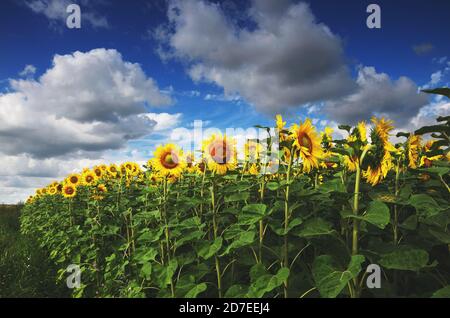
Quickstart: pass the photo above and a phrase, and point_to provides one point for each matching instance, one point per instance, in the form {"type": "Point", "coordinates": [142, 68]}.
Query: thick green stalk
{"type": "Point", "coordinates": [286, 224]}
{"type": "Point", "coordinates": [165, 195]}
{"type": "Point", "coordinates": [215, 231]}
{"type": "Point", "coordinates": [395, 225]}
{"type": "Point", "coordinates": [355, 212]}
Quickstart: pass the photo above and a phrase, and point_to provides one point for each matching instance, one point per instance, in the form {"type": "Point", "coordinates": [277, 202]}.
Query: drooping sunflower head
{"type": "Point", "coordinates": [380, 160]}
{"type": "Point", "coordinates": [169, 160]}
{"type": "Point", "coordinates": [306, 144]}
{"type": "Point", "coordinates": [413, 147]}
{"type": "Point", "coordinates": [429, 154]}
{"type": "Point", "coordinates": [73, 179]}
{"type": "Point", "coordinates": [382, 127]}
{"type": "Point", "coordinates": [220, 153]}
{"type": "Point", "coordinates": [69, 191]}
{"type": "Point", "coordinates": [252, 150]}
{"type": "Point", "coordinates": [89, 178]}
{"type": "Point", "coordinates": [351, 162]}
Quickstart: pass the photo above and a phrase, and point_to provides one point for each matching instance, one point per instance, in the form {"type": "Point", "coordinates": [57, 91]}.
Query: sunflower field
{"type": "Point", "coordinates": [208, 224]}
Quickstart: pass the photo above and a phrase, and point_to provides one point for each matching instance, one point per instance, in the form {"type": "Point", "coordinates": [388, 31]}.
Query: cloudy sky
{"type": "Point", "coordinates": [138, 73]}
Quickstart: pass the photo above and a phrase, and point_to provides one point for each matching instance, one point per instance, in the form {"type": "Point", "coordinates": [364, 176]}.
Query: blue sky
{"type": "Point", "coordinates": [228, 63]}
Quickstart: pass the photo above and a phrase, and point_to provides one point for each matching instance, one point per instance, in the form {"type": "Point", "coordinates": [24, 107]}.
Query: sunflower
{"type": "Point", "coordinates": [427, 159]}
{"type": "Point", "coordinates": [220, 153]}
{"type": "Point", "coordinates": [52, 190]}
{"type": "Point", "coordinates": [113, 171]}
{"type": "Point", "coordinates": [73, 179]}
{"type": "Point", "coordinates": [169, 160]}
{"type": "Point", "coordinates": [190, 163]}
{"type": "Point", "coordinates": [201, 167]}
{"type": "Point", "coordinates": [69, 191]}
{"type": "Point", "coordinates": [252, 150]}
{"type": "Point", "coordinates": [382, 159]}
{"type": "Point", "coordinates": [89, 178]}
{"type": "Point", "coordinates": [254, 169]}
{"type": "Point", "coordinates": [412, 150]}
{"type": "Point", "coordinates": [306, 144]}
{"type": "Point", "coordinates": [280, 127]}
{"type": "Point", "coordinates": [98, 171]}
{"type": "Point", "coordinates": [351, 162]}
{"type": "Point", "coordinates": [101, 188]}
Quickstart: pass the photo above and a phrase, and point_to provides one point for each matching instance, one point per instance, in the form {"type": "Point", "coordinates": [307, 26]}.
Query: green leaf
{"type": "Point", "coordinates": [165, 273]}
{"type": "Point", "coordinates": [439, 91]}
{"type": "Point", "coordinates": [146, 255]}
{"type": "Point", "coordinates": [252, 213]}
{"type": "Point", "coordinates": [267, 283]}
{"type": "Point", "coordinates": [244, 238]}
{"type": "Point", "coordinates": [405, 259]}
{"type": "Point", "coordinates": [279, 229]}
{"type": "Point", "coordinates": [273, 186]}
{"type": "Point", "coordinates": [208, 250]}
{"type": "Point", "coordinates": [330, 281]}
{"type": "Point", "coordinates": [315, 227]}
{"type": "Point", "coordinates": [146, 270]}
{"type": "Point", "coordinates": [240, 196]}
{"type": "Point", "coordinates": [377, 214]}
{"type": "Point", "coordinates": [444, 237]}
{"type": "Point", "coordinates": [442, 293]}
{"type": "Point", "coordinates": [197, 289]}
{"type": "Point", "coordinates": [236, 291]}
{"type": "Point", "coordinates": [333, 185]}
{"type": "Point", "coordinates": [410, 223]}
{"type": "Point", "coordinates": [425, 205]}
{"type": "Point", "coordinates": [440, 171]}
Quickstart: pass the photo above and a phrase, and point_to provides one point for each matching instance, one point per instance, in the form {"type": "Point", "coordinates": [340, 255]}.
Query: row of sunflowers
{"type": "Point", "coordinates": [224, 225]}
{"type": "Point", "coordinates": [219, 155]}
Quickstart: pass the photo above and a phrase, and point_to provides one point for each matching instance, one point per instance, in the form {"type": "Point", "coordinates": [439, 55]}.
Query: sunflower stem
{"type": "Point", "coordinates": [215, 231]}
{"type": "Point", "coordinates": [286, 224]}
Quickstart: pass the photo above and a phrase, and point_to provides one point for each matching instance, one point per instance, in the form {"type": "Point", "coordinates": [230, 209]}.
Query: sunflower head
{"type": "Point", "coordinates": [413, 146]}
{"type": "Point", "coordinates": [169, 160]}
{"type": "Point", "coordinates": [52, 190]}
{"type": "Point", "coordinates": [220, 153]}
{"type": "Point", "coordinates": [113, 171]}
{"type": "Point", "coordinates": [306, 144]}
{"type": "Point", "coordinates": [73, 179]}
{"type": "Point", "coordinates": [380, 160]}
{"type": "Point", "coordinates": [69, 191]}
{"type": "Point", "coordinates": [89, 178]}
{"type": "Point", "coordinates": [101, 188]}
{"type": "Point", "coordinates": [254, 169]}
{"type": "Point", "coordinates": [98, 171]}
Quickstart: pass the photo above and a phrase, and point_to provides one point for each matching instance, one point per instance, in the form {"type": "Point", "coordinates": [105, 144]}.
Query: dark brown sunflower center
{"type": "Point", "coordinates": [98, 172]}
{"type": "Point", "coordinates": [73, 179]}
{"type": "Point", "coordinates": [169, 160]}
{"type": "Point", "coordinates": [305, 141]}
{"type": "Point", "coordinates": [69, 190]}
{"type": "Point", "coordinates": [220, 152]}
{"type": "Point", "coordinates": [89, 179]}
